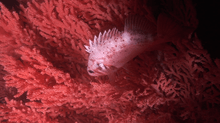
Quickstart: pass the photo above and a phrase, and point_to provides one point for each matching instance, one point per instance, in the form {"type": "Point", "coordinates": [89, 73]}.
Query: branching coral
{"type": "Point", "coordinates": [43, 62]}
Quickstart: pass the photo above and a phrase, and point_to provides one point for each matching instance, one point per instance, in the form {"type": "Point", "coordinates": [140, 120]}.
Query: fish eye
{"type": "Point", "coordinates": [90, 71]}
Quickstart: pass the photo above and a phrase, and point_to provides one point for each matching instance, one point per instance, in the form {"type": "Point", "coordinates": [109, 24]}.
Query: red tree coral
{"type": "Point", "coordinates": [43, 67]}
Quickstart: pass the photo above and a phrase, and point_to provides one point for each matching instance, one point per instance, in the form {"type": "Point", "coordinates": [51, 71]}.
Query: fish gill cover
{"type": "Point", "coordinates": [43, 77]}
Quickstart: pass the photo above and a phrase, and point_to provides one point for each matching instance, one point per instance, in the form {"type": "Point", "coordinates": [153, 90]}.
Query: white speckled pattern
{"type": "Point", "coordinates": [112, 49]}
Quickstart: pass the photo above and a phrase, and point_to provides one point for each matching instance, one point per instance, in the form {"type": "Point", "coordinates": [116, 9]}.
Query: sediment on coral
{"type": "Point", "coordinates": [43, 62]}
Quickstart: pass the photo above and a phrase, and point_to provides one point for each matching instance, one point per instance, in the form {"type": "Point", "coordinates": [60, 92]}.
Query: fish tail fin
{"type": "Point", "coordinates": [139, 24]}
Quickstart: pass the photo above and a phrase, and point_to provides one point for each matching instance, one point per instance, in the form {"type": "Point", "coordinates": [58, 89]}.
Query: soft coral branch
{"type": "Point", "coordinates": [44, 60]}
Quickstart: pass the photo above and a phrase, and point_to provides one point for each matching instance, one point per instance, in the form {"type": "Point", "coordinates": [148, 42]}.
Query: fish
{"type": "Point", "coordinates": [112, 49]}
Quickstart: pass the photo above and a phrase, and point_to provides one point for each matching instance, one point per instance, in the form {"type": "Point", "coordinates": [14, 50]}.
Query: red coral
{"type": "Point", "coordinates": [43, 75]}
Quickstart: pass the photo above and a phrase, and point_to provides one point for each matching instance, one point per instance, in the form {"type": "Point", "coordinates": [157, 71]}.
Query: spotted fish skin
{"type": "Point", "coordinates": [112, 49]}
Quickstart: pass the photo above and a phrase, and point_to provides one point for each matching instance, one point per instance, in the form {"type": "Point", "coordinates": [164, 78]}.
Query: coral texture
{"type": "Point", "coordinates": [43, 77]}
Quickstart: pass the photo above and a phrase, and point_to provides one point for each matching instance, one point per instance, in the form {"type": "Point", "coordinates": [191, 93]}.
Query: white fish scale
{"type": "Point", "coordinates": [110, 46]}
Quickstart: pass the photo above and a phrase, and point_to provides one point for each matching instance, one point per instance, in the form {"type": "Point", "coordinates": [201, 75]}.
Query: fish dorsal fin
{"type": "Point", "coordinates": [139, 24]}
{"type": "Point", "coordinates": [98, 41]}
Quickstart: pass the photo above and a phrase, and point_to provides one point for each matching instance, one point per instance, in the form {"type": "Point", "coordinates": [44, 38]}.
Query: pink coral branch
{"type": "Point", "coordinates": [43, 75]}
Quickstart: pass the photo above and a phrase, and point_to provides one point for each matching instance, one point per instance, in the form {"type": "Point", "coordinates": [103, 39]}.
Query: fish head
{"type": "Point", "coordinates": [100, 52]}
{"type": "Point", "coordinates": [97, 67]}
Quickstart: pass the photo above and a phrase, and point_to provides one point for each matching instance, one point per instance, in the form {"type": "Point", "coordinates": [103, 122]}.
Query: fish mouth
{"type": "Point", "coordinates": [96, 72]}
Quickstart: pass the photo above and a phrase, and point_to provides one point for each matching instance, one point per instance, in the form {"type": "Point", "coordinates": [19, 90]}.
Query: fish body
{"type": "Point", "coordinates": [113, 49]}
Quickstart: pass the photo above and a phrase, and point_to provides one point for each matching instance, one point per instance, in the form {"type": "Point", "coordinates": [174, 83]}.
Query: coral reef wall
{"type": "Point", "coordinates": [43, 77]}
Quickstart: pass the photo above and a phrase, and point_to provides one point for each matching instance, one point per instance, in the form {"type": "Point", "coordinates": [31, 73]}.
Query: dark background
{"type": "Point", "coordinates": [208, 14]}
